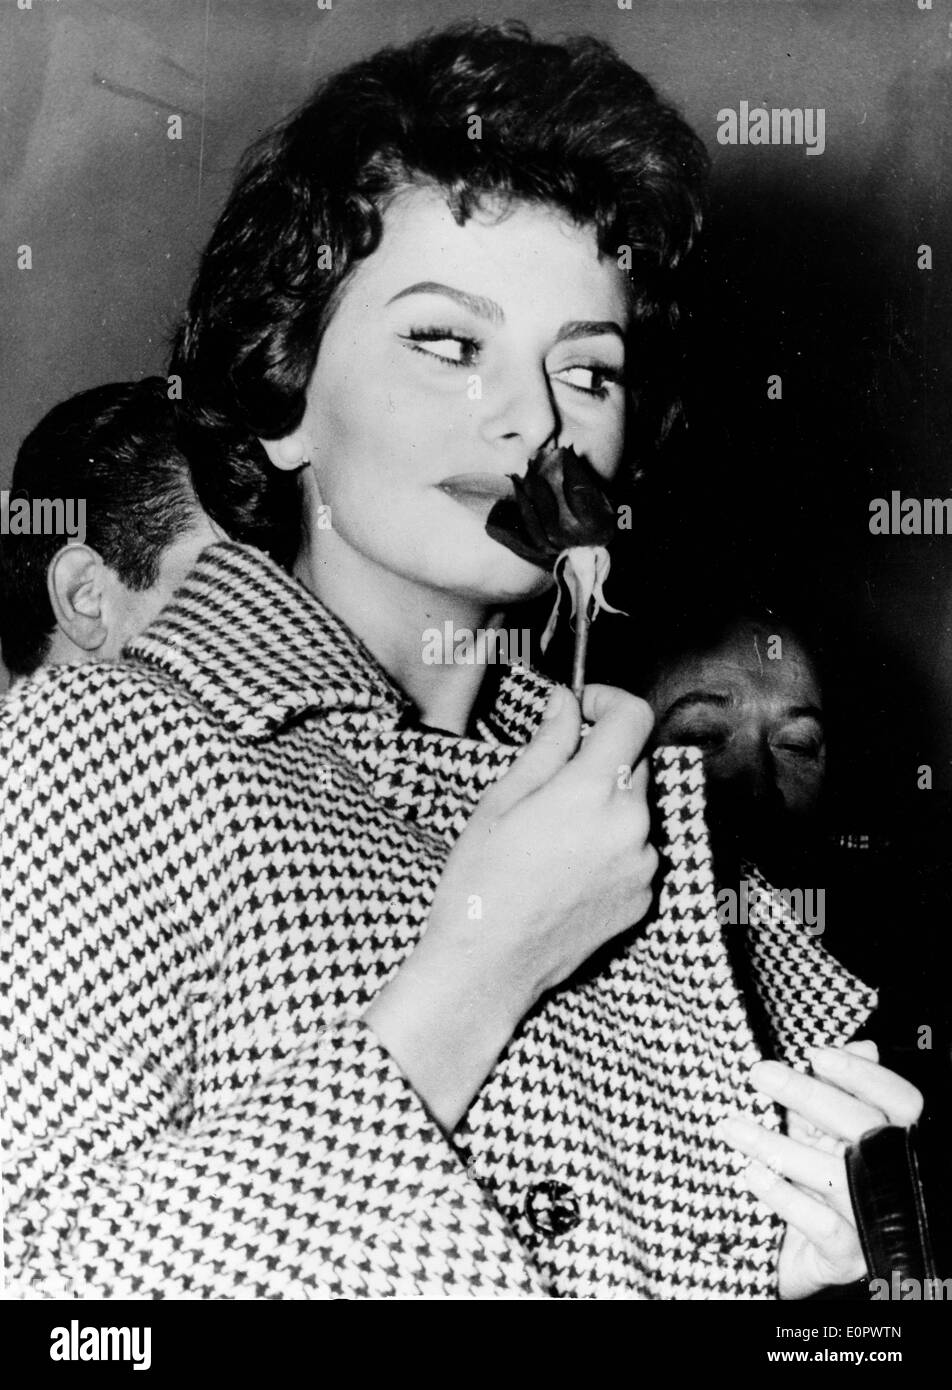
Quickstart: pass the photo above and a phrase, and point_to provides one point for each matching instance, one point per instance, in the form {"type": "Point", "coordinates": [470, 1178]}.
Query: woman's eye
{"type": "Point", "coordinates": [593, 381]}
{"type": "Point", "coordinates": [452, 348]}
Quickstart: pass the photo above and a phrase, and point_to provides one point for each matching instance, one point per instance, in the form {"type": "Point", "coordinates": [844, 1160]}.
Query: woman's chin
{"type": "Point", "coordinates": [508, 579]}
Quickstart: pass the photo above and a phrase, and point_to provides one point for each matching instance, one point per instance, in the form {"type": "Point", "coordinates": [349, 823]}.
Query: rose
{"type": "Point", "coordinates": [558, 505]}
{"type": "Point", "coordinates": [560, 518]}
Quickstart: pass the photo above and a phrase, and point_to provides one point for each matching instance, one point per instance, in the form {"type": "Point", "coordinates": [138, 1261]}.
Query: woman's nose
{"type": "Point", "coordinates": [520, 410]}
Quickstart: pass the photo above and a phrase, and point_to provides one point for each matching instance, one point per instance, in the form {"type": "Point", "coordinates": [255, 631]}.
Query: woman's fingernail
{"type": "Point", "coordinates": [826, 1057]}
{"type": "Point", "coordinates": [734, 1129]}
{"type": "Point", "coordinates": [771, 1074]}
{"type": "Point", "coordinates": [759, 1178]}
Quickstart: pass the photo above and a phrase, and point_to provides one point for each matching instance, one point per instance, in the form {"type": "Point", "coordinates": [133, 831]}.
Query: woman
{"type": "Point", "coordinates": [354, 1004]}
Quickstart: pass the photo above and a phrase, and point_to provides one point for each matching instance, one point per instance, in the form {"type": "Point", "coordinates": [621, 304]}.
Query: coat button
{"type": "Point", "coordinates": [552, 1208]}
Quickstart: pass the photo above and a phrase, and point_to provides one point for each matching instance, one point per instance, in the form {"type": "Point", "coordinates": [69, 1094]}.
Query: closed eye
{"type": "Point", "coordinates": [708, 742]}
{"type": "Point", "coordinates": [799, 748]}
{"type": "Point", "coordinates": [802, 739]}
{"type": "Point", "coordinates": [709, 739]}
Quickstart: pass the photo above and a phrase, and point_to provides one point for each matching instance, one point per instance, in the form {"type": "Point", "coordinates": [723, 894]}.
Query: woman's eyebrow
{"type": "Point", "coordinates": [588, 328]}
{"type": "Point", "coordinates": [489, 309]}
{"type": "Point", "coordinates": [475, 303]}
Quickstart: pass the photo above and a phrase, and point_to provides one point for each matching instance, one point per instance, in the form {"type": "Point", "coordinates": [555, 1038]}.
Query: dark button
{"type": "Point", "coordinates": [552, 1208]}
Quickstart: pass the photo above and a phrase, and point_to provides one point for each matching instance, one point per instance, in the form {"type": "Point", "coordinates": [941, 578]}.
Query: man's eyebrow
{"type": "Point", "coordinates": [697, 697]}
{"type": "Point", "coordinates": [719, 701]}
{"type": "Point", "coordinates": [805, 712]}
{"type": "Point", "coordinates": [489, 309]}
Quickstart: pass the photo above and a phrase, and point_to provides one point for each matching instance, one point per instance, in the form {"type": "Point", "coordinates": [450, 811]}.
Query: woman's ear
{"type": "Point", "coordinates": [288, 453]}
{"type": "Point", "coordinates": [77, 580]}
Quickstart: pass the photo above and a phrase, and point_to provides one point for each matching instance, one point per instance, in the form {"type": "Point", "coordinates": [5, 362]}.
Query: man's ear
{"type": "Point", "coordinates": [288, 453]}
{"type": "Point", "coordinates": [77, 581]}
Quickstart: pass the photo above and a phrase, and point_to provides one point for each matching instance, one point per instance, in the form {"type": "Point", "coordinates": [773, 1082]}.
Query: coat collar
{"type": "Point", "coordinates": [257, 649]}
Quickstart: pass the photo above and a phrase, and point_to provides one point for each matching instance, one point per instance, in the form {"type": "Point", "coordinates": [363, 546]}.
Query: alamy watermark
{"type": "Point", "coordinates": [907, 1290]}
{"type": "Point", "coordinates": [910, 516]}
{"type": "Point", "coordinates": [807, 904]}
{"type": "Point", "coordinates": [483, 646]}
{"type": "Point", "coordinates": [756, 125]}
{"type": "Point", "coordinates": [22, 515]}
{"type": "Point", "coordinates": [76, 1343]}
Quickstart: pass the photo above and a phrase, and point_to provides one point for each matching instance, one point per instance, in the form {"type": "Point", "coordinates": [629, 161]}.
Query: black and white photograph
{"type": "Point", "coordinates": [476, 702]}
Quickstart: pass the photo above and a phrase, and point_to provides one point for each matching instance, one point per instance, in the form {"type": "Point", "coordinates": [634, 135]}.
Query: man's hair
{"type": "Point", "coordinates": [116, 447]}
{"type": "Point", "coordinates": [697, 624]}
{"type": "Point", "coordinates": [568, 124]}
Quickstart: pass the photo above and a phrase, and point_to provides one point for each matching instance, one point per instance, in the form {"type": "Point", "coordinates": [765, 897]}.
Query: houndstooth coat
{"type": "Point", "coordinates": [215, 853]}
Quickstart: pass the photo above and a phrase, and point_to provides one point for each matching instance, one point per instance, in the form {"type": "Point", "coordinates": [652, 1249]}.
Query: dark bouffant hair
{"type": "Point", "coordinates": [568, 124]}
{"type": "Point", "coordinates": [118, 448]}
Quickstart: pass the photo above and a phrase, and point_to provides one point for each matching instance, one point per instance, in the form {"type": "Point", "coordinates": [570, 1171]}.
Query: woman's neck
{"type": "Point", "coordinates": [392, 616]}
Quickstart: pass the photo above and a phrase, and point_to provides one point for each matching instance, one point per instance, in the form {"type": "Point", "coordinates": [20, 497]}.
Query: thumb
{"type": "Point", "coordinates": [553, 744]}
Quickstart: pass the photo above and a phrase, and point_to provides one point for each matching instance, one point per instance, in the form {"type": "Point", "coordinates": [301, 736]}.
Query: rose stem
{"type": "Point", "coordinates": [581, 648]}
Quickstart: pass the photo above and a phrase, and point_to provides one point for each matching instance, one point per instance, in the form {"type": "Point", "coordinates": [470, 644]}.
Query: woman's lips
{"type": "Point", "coordinates": [477, 491]}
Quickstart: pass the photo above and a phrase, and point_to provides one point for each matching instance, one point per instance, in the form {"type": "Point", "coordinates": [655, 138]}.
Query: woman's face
{"type": "Point", "coordinates": [454, 354]}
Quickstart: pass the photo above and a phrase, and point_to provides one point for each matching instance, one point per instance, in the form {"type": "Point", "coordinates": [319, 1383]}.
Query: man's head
{"type": "Point", "coordinates": [117, 450]}
{"type": "Point", "coordinates": [747, 693]}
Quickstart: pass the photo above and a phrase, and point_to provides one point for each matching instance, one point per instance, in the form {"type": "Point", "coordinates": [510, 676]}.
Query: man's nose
{"type": "Point", "coordinates": [751, 772]}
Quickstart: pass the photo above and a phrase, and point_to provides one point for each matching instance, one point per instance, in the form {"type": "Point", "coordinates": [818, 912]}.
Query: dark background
{"type": "Point", "coordinates": [809, 270]}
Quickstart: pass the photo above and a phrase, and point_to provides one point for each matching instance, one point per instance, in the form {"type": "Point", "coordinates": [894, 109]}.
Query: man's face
{"type": "Point", "coordinates": [752, 704]}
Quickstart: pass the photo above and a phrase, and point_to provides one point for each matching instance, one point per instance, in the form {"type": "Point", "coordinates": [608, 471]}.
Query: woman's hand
{"type": "Point", "coordinates": [554, 862]}
{"type": "Point", "coordinates": [556, 851]}
{"type": "Point", "coordinates": [802, 1175]}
